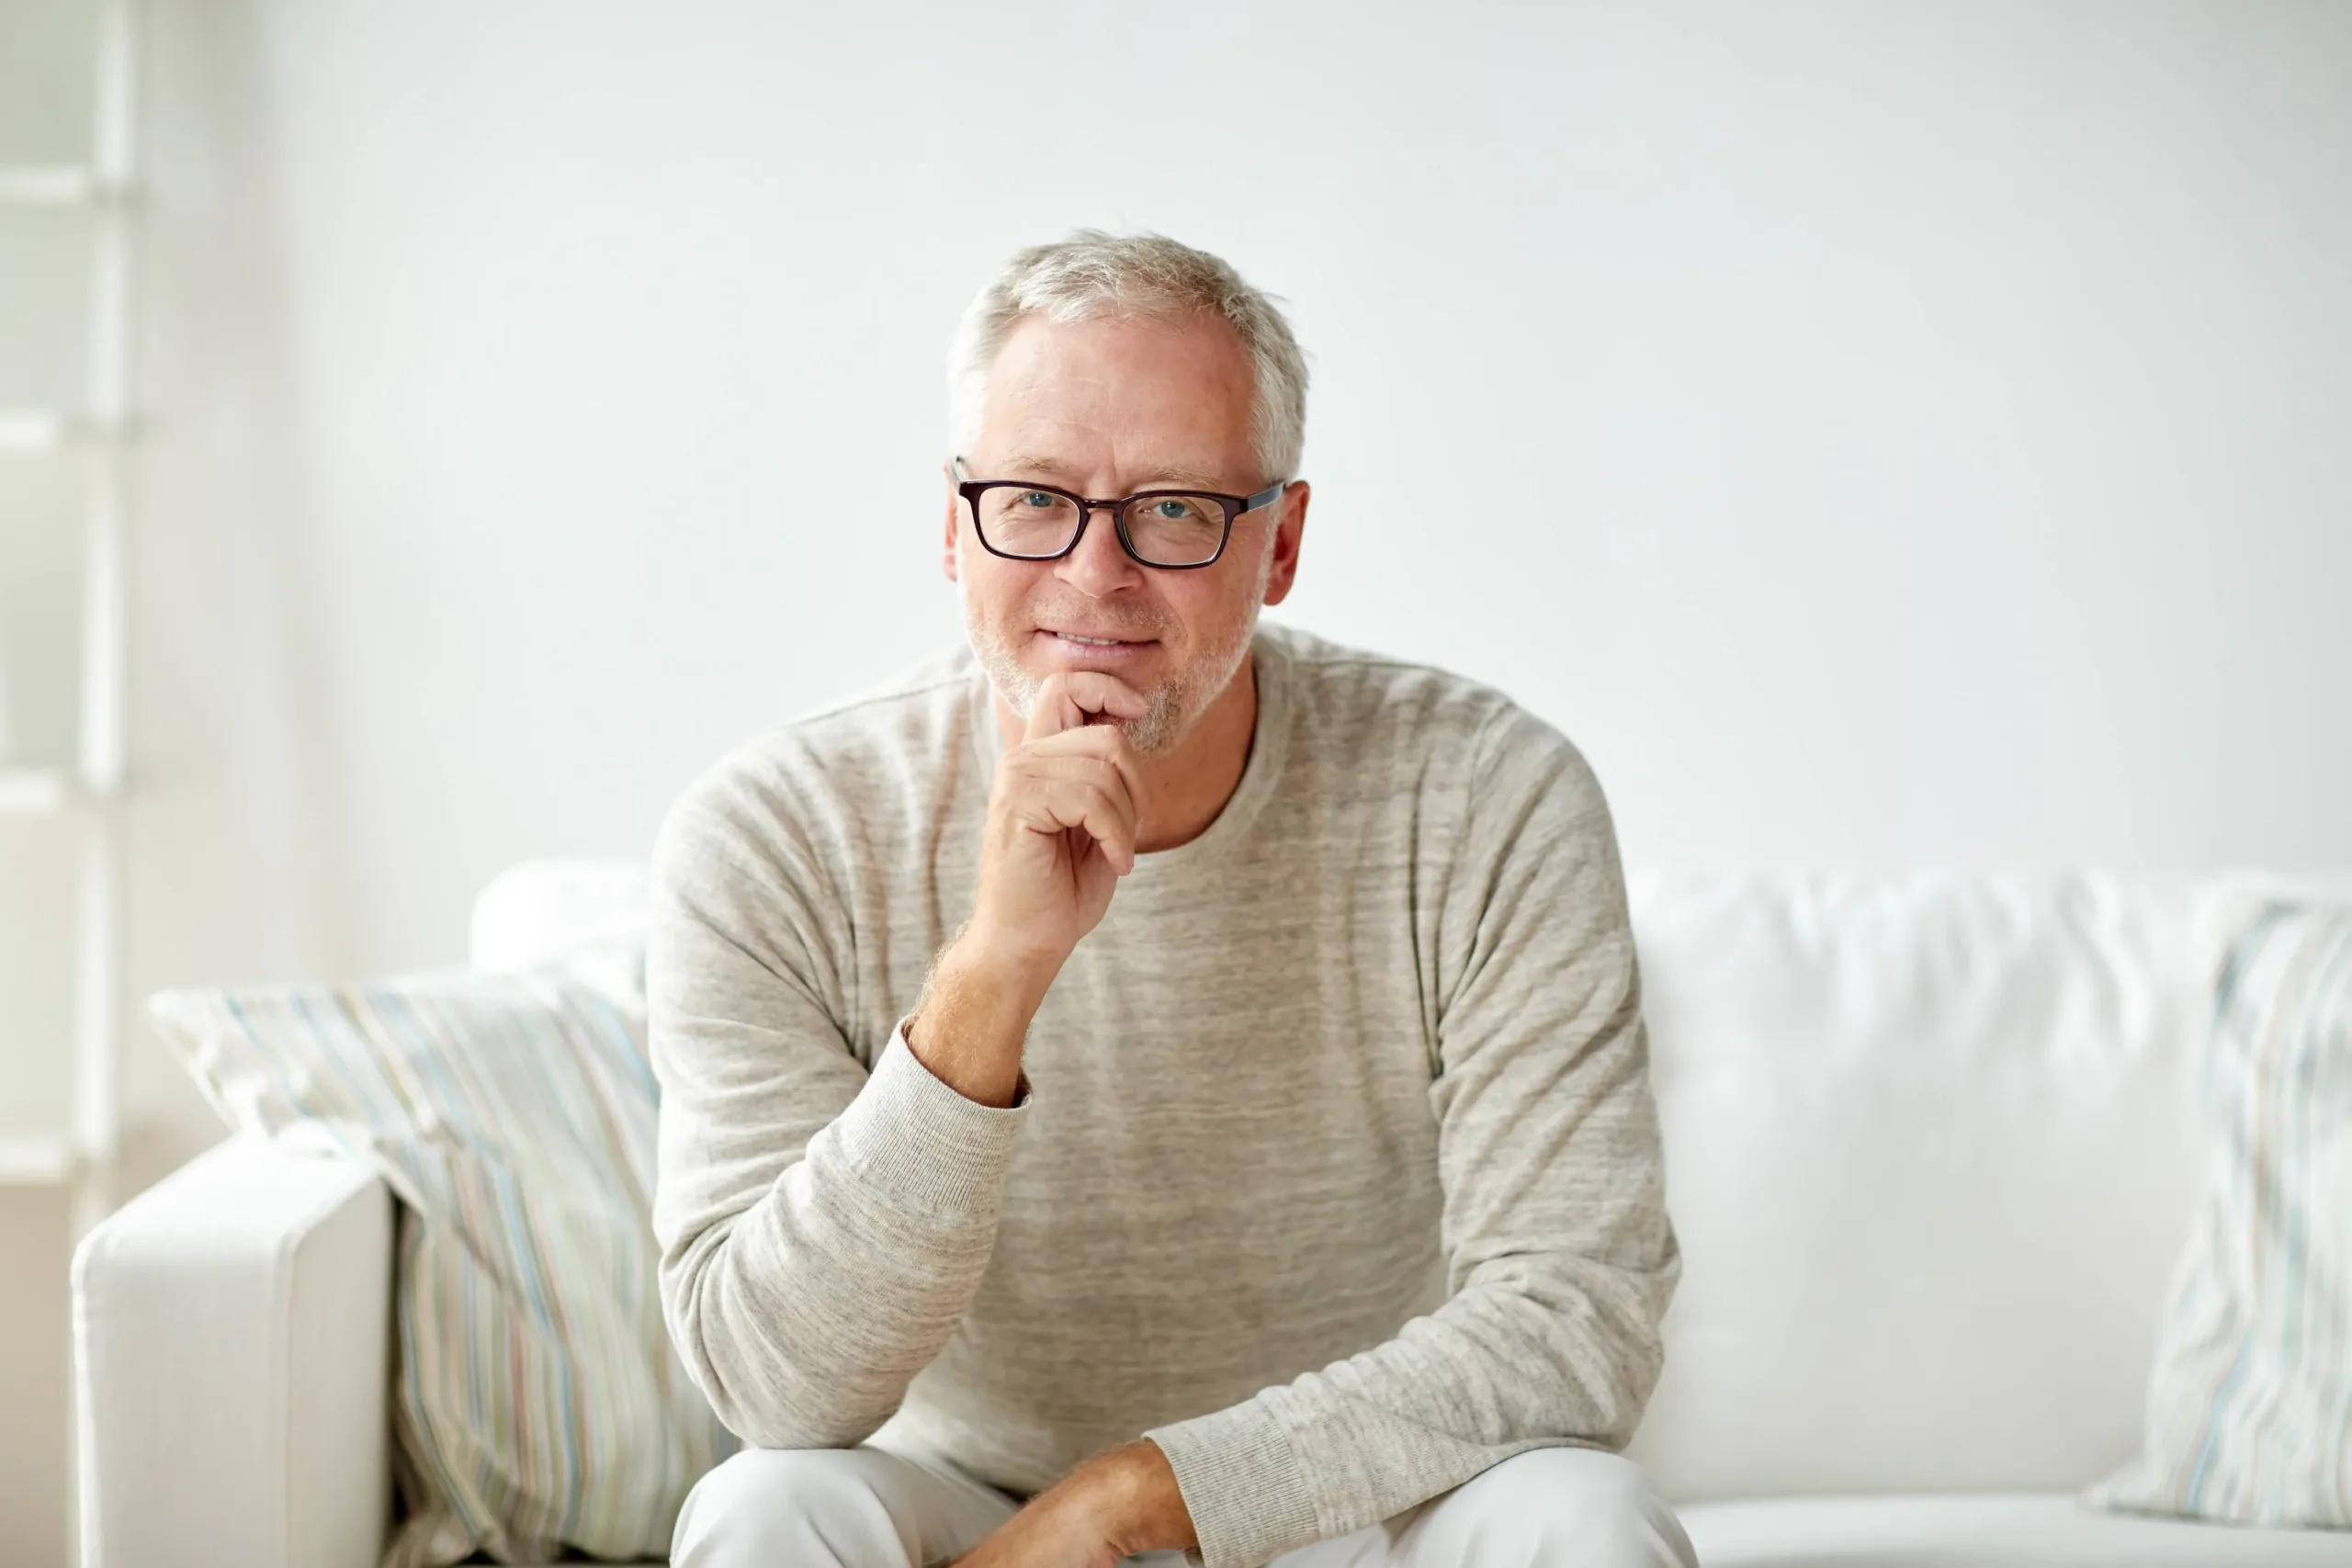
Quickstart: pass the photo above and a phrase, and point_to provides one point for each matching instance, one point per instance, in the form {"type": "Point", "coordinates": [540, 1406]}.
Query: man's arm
{"type": "Point", "coordinates": [824, 1230]}
{"type": "Point", "coordinates": [1560, 1256]}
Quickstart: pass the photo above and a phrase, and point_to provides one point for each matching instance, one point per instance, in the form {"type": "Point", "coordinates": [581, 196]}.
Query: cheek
{"type": "Point", "coordinates": [998, 590]}
{"type": "Point", "coordinates": [1209, 612]}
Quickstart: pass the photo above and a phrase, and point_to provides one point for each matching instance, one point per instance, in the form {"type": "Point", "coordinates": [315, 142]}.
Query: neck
{"type": "Point", "coordinates": [1184, 788]}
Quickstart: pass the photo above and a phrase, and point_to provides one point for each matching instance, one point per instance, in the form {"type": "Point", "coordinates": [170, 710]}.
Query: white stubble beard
{"type": "Point", "coordinates": [1174, 705]}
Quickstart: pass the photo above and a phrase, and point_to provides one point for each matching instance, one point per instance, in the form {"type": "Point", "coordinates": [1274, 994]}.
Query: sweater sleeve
{"type": "Point", "coordinates": [1560, 1258]}
{"type": "Point", "coordinates": [823, 1227]}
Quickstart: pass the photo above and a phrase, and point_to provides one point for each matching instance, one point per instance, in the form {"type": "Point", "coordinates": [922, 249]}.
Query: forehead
{"type": "Point", "coordinates": [1122, 391]}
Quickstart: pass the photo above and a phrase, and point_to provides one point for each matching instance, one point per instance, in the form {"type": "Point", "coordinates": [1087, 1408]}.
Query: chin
{"type": "Point", "coordinates": [1160, 730]}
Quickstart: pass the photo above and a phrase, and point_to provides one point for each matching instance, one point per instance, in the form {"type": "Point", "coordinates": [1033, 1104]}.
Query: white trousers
{"type": "Point", "coordinates": [867, 1507]}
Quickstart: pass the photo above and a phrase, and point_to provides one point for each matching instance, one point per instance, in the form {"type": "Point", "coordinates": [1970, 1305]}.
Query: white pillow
{"type": "Point", "coordinates": [2249, 1415]}
{"type": "Point", "coordinates": [537, 1402]}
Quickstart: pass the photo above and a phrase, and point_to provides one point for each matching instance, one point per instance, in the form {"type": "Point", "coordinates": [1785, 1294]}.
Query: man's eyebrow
{"type": "Point", "coordinates": [1021, 463]}
{"type": "Point", "coordinates": [1158, 479]}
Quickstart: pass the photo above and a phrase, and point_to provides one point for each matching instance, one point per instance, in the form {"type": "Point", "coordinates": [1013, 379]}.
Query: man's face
{"type": "Point", "coordinates": [1106, 408]}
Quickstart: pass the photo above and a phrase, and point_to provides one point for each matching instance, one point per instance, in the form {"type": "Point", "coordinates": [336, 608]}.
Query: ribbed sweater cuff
{"type": "Point", "coordinates": [917, 1146]}
{"type": "Point", "coordinates": [1243, 1482]}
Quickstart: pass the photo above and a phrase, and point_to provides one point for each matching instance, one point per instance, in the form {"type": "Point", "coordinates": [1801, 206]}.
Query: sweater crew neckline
{"type": "Point", "coordinates": [1261, 772]}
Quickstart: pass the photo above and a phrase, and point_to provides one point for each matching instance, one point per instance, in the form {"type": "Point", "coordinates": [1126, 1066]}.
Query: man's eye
{"type": "Point", "coordinates": [1042, 500]}
{"type": "Point", "coordinates": [1173, 511]}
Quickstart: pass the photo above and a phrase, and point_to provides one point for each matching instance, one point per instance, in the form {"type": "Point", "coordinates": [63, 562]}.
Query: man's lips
{"type": "Point", "coordinates": [1103, 641]}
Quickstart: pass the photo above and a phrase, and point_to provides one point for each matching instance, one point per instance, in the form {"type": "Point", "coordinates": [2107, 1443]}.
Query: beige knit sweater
{"type": "Point", "coordinates": [1339, 1175]}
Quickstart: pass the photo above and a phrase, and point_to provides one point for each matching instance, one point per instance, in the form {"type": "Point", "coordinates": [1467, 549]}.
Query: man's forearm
{"type": "Point", "coordinates": [1114, 1506]}
{"type": "Point", "coordinates": [1145, 1508]}
{"type": "Point", "coordinates": [973, 1018]}
{"type": "Point", "coordinates": [872, 1244]}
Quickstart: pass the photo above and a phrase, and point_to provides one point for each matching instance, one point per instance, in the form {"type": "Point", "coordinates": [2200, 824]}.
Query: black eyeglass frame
{"type": "Point", "coordinates": [971, 490]}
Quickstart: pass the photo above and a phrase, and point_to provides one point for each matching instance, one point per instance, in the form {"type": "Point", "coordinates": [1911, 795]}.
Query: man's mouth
{"type": "Point", "coordinates": [1076, 640]}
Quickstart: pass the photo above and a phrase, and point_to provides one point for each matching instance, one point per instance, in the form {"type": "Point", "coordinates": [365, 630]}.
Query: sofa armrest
{"type": "Point", "coordinates": [232, 1336]}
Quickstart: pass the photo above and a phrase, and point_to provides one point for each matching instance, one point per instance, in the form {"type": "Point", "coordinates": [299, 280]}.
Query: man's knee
{"type": "Point", "coordinates": [822, 1508]}
{"type": "Point", "coordinates": [1562, 1508]}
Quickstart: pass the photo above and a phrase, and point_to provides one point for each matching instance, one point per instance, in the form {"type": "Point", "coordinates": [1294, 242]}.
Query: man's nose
{"type": "Point", "coordinates": [1100, 566]}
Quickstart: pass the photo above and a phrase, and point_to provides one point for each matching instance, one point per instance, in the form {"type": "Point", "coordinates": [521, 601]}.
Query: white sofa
{"type": "Point", "coordinates": [1932, 1150]}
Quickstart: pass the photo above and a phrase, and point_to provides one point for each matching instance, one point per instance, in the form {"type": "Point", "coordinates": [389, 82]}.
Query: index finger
{"type": "Point", "coordinates": [1079, 697]}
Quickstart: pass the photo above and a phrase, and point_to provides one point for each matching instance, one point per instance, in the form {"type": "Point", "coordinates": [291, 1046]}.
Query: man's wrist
{"type": "Point", "coordinates": [973, 1018]}
{"type": "Point", "coordinates": [983, 957]}
{"type": "Point", "coordinates": [1140, 1509]}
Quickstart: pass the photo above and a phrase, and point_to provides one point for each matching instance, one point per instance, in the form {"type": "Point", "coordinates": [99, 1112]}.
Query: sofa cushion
{"type": "Point", "coordinates": [1930, 1154]}
{"type": "Point", "coordinates": [2250, 1407]}
{"type": "Point", "coordinates": [565, 910]}
{"type": "Point", "coordinates": [2001, 1532]}
{"type": "Point", "coordinates": [537, 1400]}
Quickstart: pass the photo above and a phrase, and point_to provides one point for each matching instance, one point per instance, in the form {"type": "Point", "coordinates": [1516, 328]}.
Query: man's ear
{"type": "Point", "coordinates": [1290, 524]}
{"type": "Point", "coordinates": [955, 508]}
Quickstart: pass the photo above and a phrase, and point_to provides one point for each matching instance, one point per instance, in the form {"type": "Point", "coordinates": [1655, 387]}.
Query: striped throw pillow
{"type": "Point", "coordinates": [538, 1403]}
{"type": "Point", "coordinates": [2249, 1413]}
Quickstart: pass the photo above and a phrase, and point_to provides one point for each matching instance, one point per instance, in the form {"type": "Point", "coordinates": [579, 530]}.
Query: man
{"type": "Point", "coordinates": [1154, 1083]}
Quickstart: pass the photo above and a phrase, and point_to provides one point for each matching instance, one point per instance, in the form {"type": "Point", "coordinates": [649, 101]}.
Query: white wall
{"type": "Point", "coordinates": [1876, 433]}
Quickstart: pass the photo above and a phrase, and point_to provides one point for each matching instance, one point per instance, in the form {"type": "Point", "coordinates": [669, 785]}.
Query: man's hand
{"type": "Point", "coordinates": [1114, 1505]}
{"type": "Point", "coordinates": [1062, 822]}
{"type": "Point", "coordinates": [1062, 826]}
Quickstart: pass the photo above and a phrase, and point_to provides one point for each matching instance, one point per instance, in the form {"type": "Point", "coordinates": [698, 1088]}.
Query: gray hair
{"type": "Point", "coordinates": [1093, 275]}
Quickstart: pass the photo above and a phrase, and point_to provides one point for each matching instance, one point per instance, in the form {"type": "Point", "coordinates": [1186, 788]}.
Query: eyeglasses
{"type": "Point", "coordinates": [1173, 529]}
